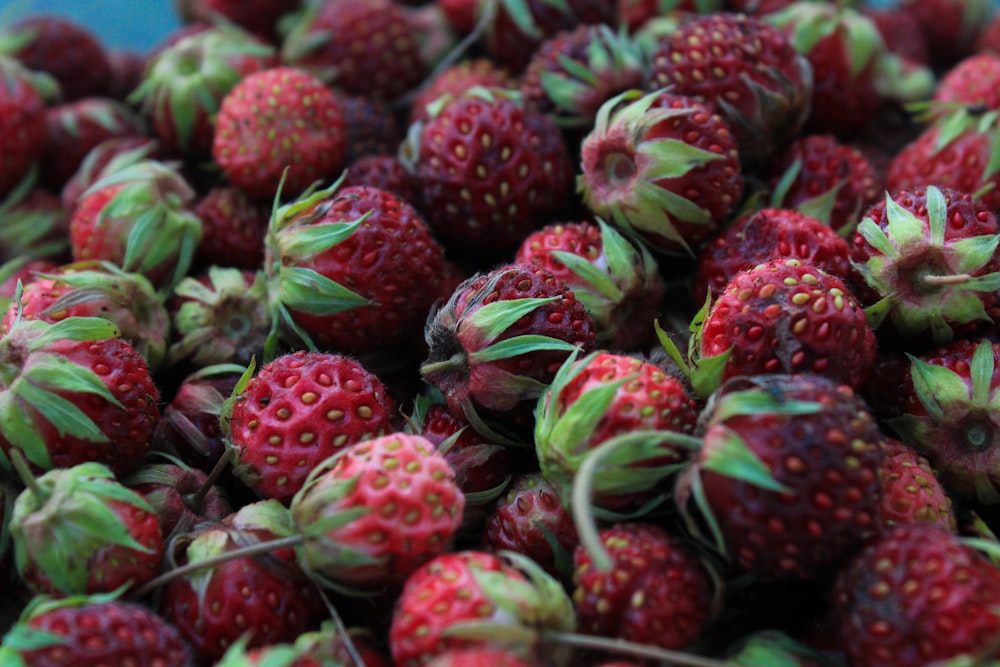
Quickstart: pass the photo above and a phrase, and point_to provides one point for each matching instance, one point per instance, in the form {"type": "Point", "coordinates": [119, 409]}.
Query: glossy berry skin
{"type": "Point", "coordinates": [254, 137]}
{"type": "Point", "coordinates": [100, 632]}
{"type": "Point", "coordinates": [657, 591]}
{"type": "Point", "coordinates": [785, 316]}
{"type": "Point", "coordinates": [915, 597]}
{"type": "Point", "coordinates": [298, 410]}
{"type": "Point", "coordinates": [911, 491]}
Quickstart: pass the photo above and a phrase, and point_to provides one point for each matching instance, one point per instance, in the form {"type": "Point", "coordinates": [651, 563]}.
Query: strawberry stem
{"type": "Point", "coordinates": [225, 557]}
{"type": "Point", "coordinates": [196, 499]}
{"type": "Point", "coordinates": [957, 279]}
{"type": "Point", "coordinates": [24, 472]}
{"type": "Point", "coordinates": [624, 647]}
{"type": "Point", "coordinates": [456, 362]}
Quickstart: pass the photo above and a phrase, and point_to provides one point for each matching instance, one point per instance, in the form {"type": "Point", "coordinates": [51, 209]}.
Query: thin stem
{"type": "Point", "coordinates": [956, 279]}
{"type": "Point", "coordinates": [24, 472]}
{"type": "Point", "coordinates": [455, 362]}
{"type": "Point", "coordinates": [338, 623]}
{"type": "Point", "coordinates": [623, 647]}
{"type": "Point", "coordinates": [198, 497]}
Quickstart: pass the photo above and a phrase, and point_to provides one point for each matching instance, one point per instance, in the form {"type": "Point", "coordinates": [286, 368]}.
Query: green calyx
{"type": "Point", "coordinates": [520, 14]}
{"type": "Point", "coordinates": [65, 518]}
{"type": "Point", "coordinates": [704, 373]}
{"type": "Point", "coordinates": [964, 121]}
{"type": "Point", "coordinates": [34, 384]}
{"type": "Point", "coordinates": [927, 283]}
{"type": "Point", "coordinates": [811, 22]}
{"type": "Point", "coordinates": [28, 233]}
{"type": "Point", "coordinates": [819, 207]}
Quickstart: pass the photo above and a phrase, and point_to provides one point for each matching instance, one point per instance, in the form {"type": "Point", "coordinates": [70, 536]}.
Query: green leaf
{"type": "Point", "coordinates": [303, 242]}
{"type": "Point", "coordinates": [519, 345]}
{"type": "Point", "coordinates": [56, 372]}
{"type": "Point", "coordinates": [309, 291]}
{"type": "Point", "coordinates": [936, 387]}
{"type": "Point", "coordinates": [492, 319]}
{"type": "Point", "coordinates": [872, 233]}
{"type": "Point", "coordinates": [937, 215]}
{"type": "Point", "coordinates": [62, 414]}
{"type": "Point", "coordinates": [22, 431]}
{"type": "Point", "coordinates": [673, 158]}
{"type": "Point", "coordinates": [752, 402]}
{"type": "Point", "coordinates": [981, 372]}
{"type": "Point", "coordinates": [589, 274]}
{"type": "Point", "coordinates": [75, 328]}
{"type": "Point", "coordinates": [973, 252]}
{"type": "Point", "coordinates": [729, 455]}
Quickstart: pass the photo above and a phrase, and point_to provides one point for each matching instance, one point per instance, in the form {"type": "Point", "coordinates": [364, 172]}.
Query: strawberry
{"type": "Point", "coordinates": [948, 415]}
{"type": "Point", "coordinates": [266, 596]}
{"type": "Point", "coordinates": [92, 630]}
{"type": "Point", "coordinates": [926, 263]}
{"type": "Point", "coordinates": [911, 491]}
{"type": "Point", "coordinates": [787, 476]}
{"type": "Point", "coordinates": [62, 48]}
{"type": "Point", "coordinates": [825, 178]}
{"type": "Point", "coordinates": [617, 281]}
{"type": "Point", "coordinates": [500, 340]}
{"type": "Point", "coordinates": [71, 392]}
{"type": "Point", "coordinates": [656, 591]}
{"type": "Point", "coordinates": [972, 82]}
{"type": "Point", "coordinates": [531, 520]}
{"type": "Point", "coordinates": [260, 17]}
{"type": "Point", "coordinates": [760, 84]}
{"type": "Point", "coordinates": [353, 270]}
{"type": "Point", "coordinates": [185, 83]}
{"type": "Point", "coordinates": [784, 316]}
{"type": "Point", "coordinates": [662, 167]}
{"type": "Point", "coordinates": [278, 118]}
{"type": "Point", "coordinates": [298, 410]}
{"type": "Point", "coordinates": [385, 172]}
{"type": "Point", "coordinates": [376, 512]}
{"type": "Point", "coordinates": [595, 402]}
{"type": "Point", "coordinates": [107, 156]}
{"type": "Point", "coordinates": [455, 79]}
{"type": "Point", "coordinates": [182, 496]}
{"type": "Point", "coordinates": [77, 531]}
{"type": "Point", "coordinates": [900, 32]}
{"type": "Point", "coordinates": [478, 657]}
{"type": "Point", "coordinates": [105, 225]}
{"type": "Point", "coordinates": [23, 128]}
{"type": "Point", "coordinates": [334, 40]}
{"type": "Point", "coordinates": [769, 647]}
{"type": "Point", "coordinates": [233, 230]}
{"type": "Point", "coordinates": [490, 171]}
{"type": "Point", "coordinates": [369, 125]}
{"type": "Point", "coordinates": [763, 235]}
{"type": "Point", "coordinates": [950, 27]}
{"type": "Point", "coordinates": [98, 289]}
{"type": "Point", "coordinates": [634, 14]}
{"type": "Point", "coordinates": [219, 317]}
{"type": "Point", "coordinates": [918, 596]}
{"type": "Point", "coordinates": [34, 226]}
{"type": "Point", "coordinates": [504, 603]}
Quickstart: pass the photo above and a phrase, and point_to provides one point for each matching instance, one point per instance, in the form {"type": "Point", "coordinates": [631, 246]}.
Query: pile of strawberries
{"type": "Point", "coordinates": [515, 333]}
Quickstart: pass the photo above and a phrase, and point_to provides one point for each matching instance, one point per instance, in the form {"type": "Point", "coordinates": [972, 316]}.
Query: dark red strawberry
{"type": "Point", "coordinates": [950, 27]}
{"type": "Point", "coordinates": [454, 80]}
{"type": "Point", "coordinates": [260, 17]}
{"type": "Point", "coordinates": [23, 129]}
{"type": "Point", "coordinates": [911, 491]}
{"type": "Point", "coordinates": [972, 82]}
{"type": "Point", "coordinates": [233, 230]}
{"type": "Point", "coordinates": [385, 172]}
{"type": "Point", "coordinates": [182, 496]}
{"type": "Point", "coordinates": [370, 126]}
{"type": "Point", "coordinates": [34, 225]}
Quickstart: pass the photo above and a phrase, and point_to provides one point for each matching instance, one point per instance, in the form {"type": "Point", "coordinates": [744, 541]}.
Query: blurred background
{"type": "Point", "coordinates": [121, 24]}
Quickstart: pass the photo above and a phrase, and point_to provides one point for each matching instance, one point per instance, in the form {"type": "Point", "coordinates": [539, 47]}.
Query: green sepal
{"type": "Point", "coordinates": [981, 372]}
{"type": "Point", "coordinates": [61, 413]}
{"type": "Point", "coordinates": [974, 252]}
{"type": "Point", "coordinates": [73, 328]}
{"type": "Point", "coordinates": [907, 229]}
{"type": "Point", "coordinates": [518, 345]}
{"type": "Point", "coordinates": [18, 428]}
{"type": "Point", "coordinates": [312, 292]}
{"type": "Point", "coordinates": [56, 372]}
{"type": "Point", "coordinates": [310, 240]}
{"type": "Point", "coordinates": [708, 373]}
{"type": "Point", "coordinates": [821, 206]}
{"type": "Point", "coordinates": [730, 456]}
{"type": "Point", "coordinates": [673, 158]}
{"type": "Point", "coordinates": [751, 402]}
{"type": "Point", "coordinates": [674, 204]}
{"type": "Point", "coordinates": [492, 319]}
{"type": "Point", "coordinates": [937, 387]}
{"type": "Point", "coordinates": [590, 274]}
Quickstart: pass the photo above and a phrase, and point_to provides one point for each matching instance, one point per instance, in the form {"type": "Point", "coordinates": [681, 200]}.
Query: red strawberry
{"type": "Point", "coordinates": [353, 270]}
{"type": "Point", "coordinates": [655, 592]}
{"type": "Point", "coordinates": [466, 587]}
{"type": "Point", "coordinates": [23, 128]}
{"type": "Point", "coordinates": [911, 491]}
{"type": "Point", "coordinates": [767, 234]}
{"type": "Point", "coordinates": [501, 338]}
{"type": "Point", "coordinates": [260, 17]}
{"type": "Point", "coordinates": [233, 230]}
{"type": "Point", "coordinates": [490, 171]}
{"type": "Point", "coordinates": [267, 597]}
{"type": "Point", "coordinates": [376, 512]}
{"type": "Point", "coordinates": [182, 496]}
{"type": "Point", "coordinates": [634, 14]}
{"type": "Point", "coordinates": [787, 476]}
{"type": "Point", "coordinates": [298, 410]}
{"type": "Point", "coordinates": [760, 84]}
{"type": "Point", "coordinates": [370, 126]}
{"type": "Point", "coordinates": [927, 265]}
{"type": "Point", "coordinates": [62, 48]}
{"type": "Point", "coordinates": [617, 281]}
{"type": "Point", "coordinates": [107, 156]}
{"type": "Point", "coordinates": [478, 657]}
{"type": "Point", "coordinates": [973, 81]}
{"type": "Point", "coordinates": [454, 80]}
{"type": "Point", "coordinates": [900, 31]}
{"type": "Point", "coordinates": [185, 83]}
{"type": "Point", "coordinates": [916, 597]}
{"type": "Point", "coordinates": [662, 167]}
{"type": "Point", "coordinates": [73, 393]}
{"type": "Point", "coordinates": [77, 531]}
{"type": "Point", "coordinates": [92, 630]}
{"type": "Point", "coordinates": [950, 27]}
{"type": "Point", "coordinates": [35, 225]}
{"type": "Point", "coordinates": [275, 119]}
{"type": "Point", "coordinates": [385, 172]}
{"type": "Point", "coordinates": [334, 39]}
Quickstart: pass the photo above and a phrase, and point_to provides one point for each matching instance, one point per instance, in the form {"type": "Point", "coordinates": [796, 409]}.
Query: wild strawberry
{"type": "Point", "coordinates": [787, 476]}
{"type": "Point", "coordinates": [328, 38]}
{"type": "Point", "coordinates": [385, 172]}
{"type": "Point", "coordinates": [233, 230]}
{"type": "Point", "coordinates": [926, 263]}
{"type": "Point", "coordinates": [34, 224]}
{"type": "Point", "coordinates": [73, 393]}
{"type": "Point", "coordinates": [277, 119]}
{"type": "Point", "coordinates": [105, 223]}
{"type": "Point", "coordinates": [501, 338]}
{"type": "Point", "coordinates": [478, 657]}
{"type": "Point", "coordinates": [370, 126]}
{"type": "Point", "coordinates": [62, 48]}
{"type": "Point", "coordinates": [454, 80]}
{"type": "Point", "coordinates": [267, 597]}
{"type": "Point", "coordinates": [911, 490]}
{"type": "Point", "coordinates": [634, 14]}
{"type": "Point", "coordinates": [900, 32]}
{"type": "Point", "coordinates": [826, 179]}
{"type": "Point", "coordinates": [950, 27]}
{"type": "Point", "coordinates": [353, 270]}
{"type": "Point", "coordinates": [596, 401]}
{"type": "Point", "coordinates": [376, 512]}
{"type": "Point", "coordinates": [785, 316]}
{"type": "Point", "coordinates": [92, 630]}
{"type": "Point", "coordinates": [182, 496]}
{"type": "Point", "coordinates": [219, 317]}
{"type": "Point", "coordinates": [655, 590]}
{"type": "Point", "coordinates": [948, 415]}
{"type": "Point", "coordinates": [531, 520]}
{"type": "Point", "coordinates": [573, 73]}
{"type": "Point", "coordinates": [743, 69]}
{"type": "Point", "coordinates": [185, 83]}
{"type": "Point", "coordinates": [514, 599]}
{"type": "Point", "coordinates": [107, 156]}
{"type": "Point", "coordinates": [77, 531]}
{"type": "Point", "coordinates": [490, 171]}
{"type": "Point", "coordinates": [972, 82]}
{"type": "Point", "coordinates": [918, 596]}
{"type": "Point", "coordinates": [661, 167]}
{"type": "Point", "coordinates": [23, 128]}
{"type": "Point", "coordinates": [617, 281]}
{"type": "Point", "coordinates": [98, 289]}
{"type": "Point", "coordinates": [298, 410]}
{"type": "Point", "coordinates": [763, 235]}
